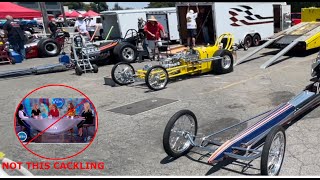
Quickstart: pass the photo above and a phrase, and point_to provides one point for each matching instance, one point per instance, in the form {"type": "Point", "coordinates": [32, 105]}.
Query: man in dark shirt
{"type": "Point", "coordinates": [204, 17]}
{"type": "Point", "coordinates": [53, 27]}
{"type": "Point", "coordinates": [16, 36]}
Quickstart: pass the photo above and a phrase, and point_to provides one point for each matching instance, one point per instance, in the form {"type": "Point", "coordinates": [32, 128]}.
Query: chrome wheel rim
{"type": "Point", "coordinates": [184, 126]}
{"type": "Point", "coordinates": [157, 78]}
{"type": "Point", "coordinates": [124, 73]}
{"type": "Point", "coordinates": [51, 48]}
{"type": "Point", "coordinates": [128, 53]}
{"type": "Point", "coordinates": [226, 61]}
{"type": "Point", "coordinates": [276, 154]}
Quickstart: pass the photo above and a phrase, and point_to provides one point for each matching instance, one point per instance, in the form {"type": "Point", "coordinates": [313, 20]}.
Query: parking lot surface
{"type": "Point", "coordinates": [132, 144]}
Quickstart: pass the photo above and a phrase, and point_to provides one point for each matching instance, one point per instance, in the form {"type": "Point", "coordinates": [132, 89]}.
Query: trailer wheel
{"type": "Point", "coordinates": [175, 140]}
{"type": "Point", "coordinates": [49, 47]}
{"type": "Point", "coordinates": [125, 52]}
{"type": "Point", "coordinates": [273, 152]}
{"type": "Point", "coordinates": [223, 65]}
{"type": "Point", "coordinates": [95, 68]}
{"type": "Point", "coordinates": [256, 40]}
{"type": "Point", "coordinates": [248, 41]}
{"type": "Point", "coordinates": [123, 73]}
{"type": "Point", "coordinates": [78, 70]}
{"type": "Point", "coordinates": [157, 78]}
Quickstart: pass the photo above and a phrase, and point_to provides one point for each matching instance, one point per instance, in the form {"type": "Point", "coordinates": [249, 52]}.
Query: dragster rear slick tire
{"type": "Point", "coordinates": [275, 132]}
{"type": "Point", "coordinates": [167, 132]}
{"type": "Point", "coordinates": [219, 66]}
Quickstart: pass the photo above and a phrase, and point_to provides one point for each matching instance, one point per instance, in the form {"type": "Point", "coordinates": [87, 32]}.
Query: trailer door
{"type": "Point", "coordinates": [285, 17]}
{"type": "Point", "coordinates": [110, 20]}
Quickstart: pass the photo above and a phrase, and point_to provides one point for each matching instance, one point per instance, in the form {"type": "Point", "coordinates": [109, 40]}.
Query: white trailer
{"type": "Point", "coordinates": [124, 20]}
{"type": "Point", "coordinates": [249, 22]}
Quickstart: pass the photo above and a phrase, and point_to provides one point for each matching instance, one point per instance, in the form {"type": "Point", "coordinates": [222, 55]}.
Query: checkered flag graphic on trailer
{"type": "Point", "coordinates": [243, 15]}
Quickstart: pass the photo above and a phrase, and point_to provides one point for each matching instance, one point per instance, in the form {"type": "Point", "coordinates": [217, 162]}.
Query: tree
{"type": "Point", "coordinates": [74, 5]}
{"type": "Point", "coordinates": [161, 4]}
{"type": "Point", "coordinates": [117, 7]}
{"type": "Point", "coordinates": [95, 6]}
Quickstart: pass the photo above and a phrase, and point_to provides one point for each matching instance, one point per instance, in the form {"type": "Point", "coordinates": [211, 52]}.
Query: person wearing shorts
{"type": "Point", "coordinates": [192, 25]}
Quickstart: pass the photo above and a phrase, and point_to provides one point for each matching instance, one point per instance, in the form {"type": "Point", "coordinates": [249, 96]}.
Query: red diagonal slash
{"type": "Point", "coordinates": [83, 101]}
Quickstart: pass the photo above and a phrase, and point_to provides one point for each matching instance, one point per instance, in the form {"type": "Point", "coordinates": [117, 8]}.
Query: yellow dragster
{"type": "Point", "coordinates": [217, 58]}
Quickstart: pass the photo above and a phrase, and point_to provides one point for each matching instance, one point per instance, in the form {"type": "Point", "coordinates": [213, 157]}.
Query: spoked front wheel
{"type": "Point", "coordinates": [273, 152]}
{"type": "Point", "coordinates": [122, 73]}
{"type": "Point", "coordinates": [157, 78]}
{"type": "Point", "coordinates": [175, 137]}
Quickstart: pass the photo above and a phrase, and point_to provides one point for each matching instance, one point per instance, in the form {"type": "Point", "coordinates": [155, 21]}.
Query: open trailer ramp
{"type": "Point", "coordinates": [306, 34]}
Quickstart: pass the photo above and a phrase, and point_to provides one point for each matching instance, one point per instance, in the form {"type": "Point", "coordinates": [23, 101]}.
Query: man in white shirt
{"type": "Point", "coordinates": [81, 27]}
{"type": "Point", "coordinates": [91, 25]}
{"type": "Point", "coordinates": [192, 25]}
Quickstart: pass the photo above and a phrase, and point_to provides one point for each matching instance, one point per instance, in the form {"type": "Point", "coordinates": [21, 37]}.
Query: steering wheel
{"type": "Point", "coordinates": [22, 170]}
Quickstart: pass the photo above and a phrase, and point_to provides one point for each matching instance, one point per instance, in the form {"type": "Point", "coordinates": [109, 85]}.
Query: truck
{"type": "Point", "coordinates": [249, 22]}
{"type": "Point", "coordinates": [295, 18]}
{"type": "Point", "coordinates": [311, 14]}
{"type": "Point", "coordinates": [123, 20]}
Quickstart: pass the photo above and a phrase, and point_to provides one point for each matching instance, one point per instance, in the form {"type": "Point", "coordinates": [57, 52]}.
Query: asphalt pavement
{"type": "Point", "coordinates": [131, 145]}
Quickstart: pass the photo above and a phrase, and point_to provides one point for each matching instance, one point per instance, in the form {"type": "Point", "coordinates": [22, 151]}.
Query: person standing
{"type": "Point", "coordinates": [80, 26]}
{"type": "Point", "coordinates": [205, 26]}
{"type": "Point", "coordinates": [16, 36]}
{"type": "Point", "coordinates": [53, 27]}
{"type": "Point", "coordinates": [192, 26]}
{"type": "Point", "coordinates": [91, 25]}
{"type": "Point", "coordinates": [153, 30]}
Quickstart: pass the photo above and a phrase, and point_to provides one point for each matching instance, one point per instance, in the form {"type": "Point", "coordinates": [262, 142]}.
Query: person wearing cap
{"type": "Point", "coordinates": [16, 36]}
{"type": "Point", "coordinates": [53, 27]}
{"type": "Point", "coordinates": [153, 30]}
{"type": "Point", "coordinates": [80, 26]}
{"type": "Point", "coordinates": [192, 25]}
{"type": "Point", "coordinates": [91, 25]}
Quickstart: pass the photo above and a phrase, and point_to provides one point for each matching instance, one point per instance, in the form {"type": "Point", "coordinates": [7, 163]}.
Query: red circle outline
{"type": "Point", "coordinates": [59, 85]}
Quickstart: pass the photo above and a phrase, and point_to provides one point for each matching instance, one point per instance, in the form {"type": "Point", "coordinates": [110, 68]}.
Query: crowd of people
{"type": "Point", "coordinates": [87, 114]}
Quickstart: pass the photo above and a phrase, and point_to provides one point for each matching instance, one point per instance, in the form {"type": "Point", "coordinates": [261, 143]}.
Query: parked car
{"type": "Point", "coordinates": [295, 18]}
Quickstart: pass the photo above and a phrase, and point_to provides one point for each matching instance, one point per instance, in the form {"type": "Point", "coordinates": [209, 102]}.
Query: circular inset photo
{"type": "Point", "coordinates": [54, 127]}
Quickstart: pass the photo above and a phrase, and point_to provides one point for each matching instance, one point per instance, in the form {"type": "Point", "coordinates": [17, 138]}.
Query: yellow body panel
{"type": "Point", "coordinates": [310, 14]}
{"type": "Point", "coordinates": [196, 67]}
{"type": "Point", "coordinates": [313, 42]}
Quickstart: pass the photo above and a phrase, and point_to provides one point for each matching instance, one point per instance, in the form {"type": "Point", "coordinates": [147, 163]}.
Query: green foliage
{"type": "Point", "coordinates": [94, 6]}
{"type": "Point", "coordinates": [161, 4]}
{"type": "Point", "coordinates": [117, 7]}
{"type": "Point", "coordinates": [74, 5]}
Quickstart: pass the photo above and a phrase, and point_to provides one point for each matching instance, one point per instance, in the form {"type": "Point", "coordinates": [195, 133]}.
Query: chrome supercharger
{"type": "Point", "coordinates": [82, 52]}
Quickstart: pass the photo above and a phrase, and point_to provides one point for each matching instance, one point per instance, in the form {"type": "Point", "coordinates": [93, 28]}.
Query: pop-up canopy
{"type": "Point", "coordinates": [90, 13]}
{"type": "Point", "coordinates": [72, 14]}
{"type": "Point", "coordinates": [16, 11]}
